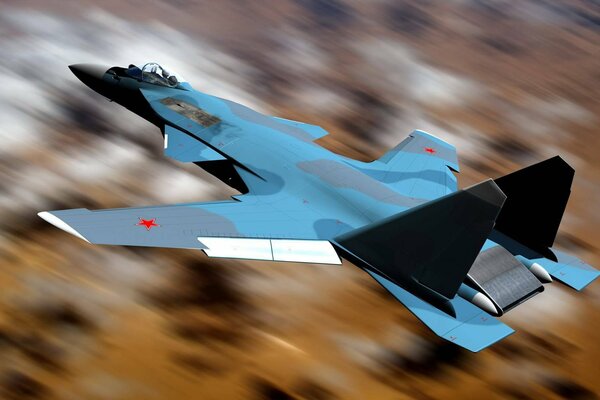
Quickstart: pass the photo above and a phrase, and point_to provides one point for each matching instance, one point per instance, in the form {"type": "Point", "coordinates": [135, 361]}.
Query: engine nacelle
{"type": "Point", "coordinates": [502, 278]}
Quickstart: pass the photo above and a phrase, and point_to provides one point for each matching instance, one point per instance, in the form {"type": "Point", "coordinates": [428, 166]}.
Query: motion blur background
{"type": "Point", "coordinates": [509, 83]}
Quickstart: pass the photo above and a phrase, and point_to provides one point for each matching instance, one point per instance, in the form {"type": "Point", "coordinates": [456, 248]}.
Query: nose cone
{"type": "Point", "coordinates": [90, 74]}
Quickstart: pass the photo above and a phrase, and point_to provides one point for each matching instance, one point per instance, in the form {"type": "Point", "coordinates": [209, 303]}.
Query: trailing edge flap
{"type": "Point", "coordinates": [313, 130]}
{"type": "Point", "coordinates": [435, 243]}
{"type": "Point", "coordinates": [473, 328]}
{"type": "Point", "coordinates": [569, 269]}
{"type": "Point", "coordinates": [303, 251]}
{"type": "Point", "coordinates": [185, 148]}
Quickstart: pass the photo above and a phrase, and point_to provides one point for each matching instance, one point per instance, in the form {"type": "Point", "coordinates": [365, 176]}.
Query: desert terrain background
{"type": "Point", "coordinates": [509, 83]}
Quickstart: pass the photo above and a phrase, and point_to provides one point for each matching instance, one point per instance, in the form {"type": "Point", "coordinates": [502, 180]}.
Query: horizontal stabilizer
{"type": "Point", "coordinates": [472, 329]}
{"type": "Point", "coordinates": [569, 269]}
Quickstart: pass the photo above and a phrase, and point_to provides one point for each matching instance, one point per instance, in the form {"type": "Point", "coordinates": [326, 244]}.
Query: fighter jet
{"type": "Point", "coordinates": [456, 258]}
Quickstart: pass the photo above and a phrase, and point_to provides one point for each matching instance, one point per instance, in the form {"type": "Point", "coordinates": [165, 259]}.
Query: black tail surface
{"type": "Point", "coordinates": [432, 245]}
{"type": "Point", "coordinates": [536, 199]}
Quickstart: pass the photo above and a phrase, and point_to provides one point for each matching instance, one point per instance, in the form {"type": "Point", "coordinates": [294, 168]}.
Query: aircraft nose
{"type": "Point", "coordinates": [90, 74]}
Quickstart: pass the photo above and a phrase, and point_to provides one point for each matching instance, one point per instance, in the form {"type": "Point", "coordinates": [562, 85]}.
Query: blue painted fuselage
{"type": "Point", "coordinates": [279, 161]}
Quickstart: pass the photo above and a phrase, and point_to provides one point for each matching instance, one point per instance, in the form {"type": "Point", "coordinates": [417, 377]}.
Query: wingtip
{"type": "Point", "coordinates": [60, 224]}
{"type": "Point", "coordinates": [477, 337]}
{"type": "Point", "coordinates": [480, 347]}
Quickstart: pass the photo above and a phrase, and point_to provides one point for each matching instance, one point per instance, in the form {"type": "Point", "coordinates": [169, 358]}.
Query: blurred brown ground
{"type": "Point", "coordinates": [509, 83]}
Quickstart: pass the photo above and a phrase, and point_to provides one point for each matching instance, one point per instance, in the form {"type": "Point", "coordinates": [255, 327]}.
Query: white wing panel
{"type": "Point", "coordinates": [309, 251]}
{"type": "Point", "coordinates": [305, 251]}
{"type": "Point", "coordinates": [254, 249]}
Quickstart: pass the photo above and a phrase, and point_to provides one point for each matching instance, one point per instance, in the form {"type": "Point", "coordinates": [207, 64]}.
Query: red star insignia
{"type": "Point", "coordinates": [148, 223]}
{"type": "Point", "coordinates": [430, 150]}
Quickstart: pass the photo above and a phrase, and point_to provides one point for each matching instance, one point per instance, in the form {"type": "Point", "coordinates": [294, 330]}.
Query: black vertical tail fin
{"type": "Point", "coordinates": [536, 199]}
{"type": "Point", "coordinates": [431, 247]}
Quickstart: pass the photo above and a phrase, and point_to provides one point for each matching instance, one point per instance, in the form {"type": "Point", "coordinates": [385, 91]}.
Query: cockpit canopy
{"type": "Point", "coordinates": [155, 74]}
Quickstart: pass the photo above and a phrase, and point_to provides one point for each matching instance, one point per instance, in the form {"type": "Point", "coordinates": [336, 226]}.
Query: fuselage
{"type": "Point", "coordinates": [263, 149]}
